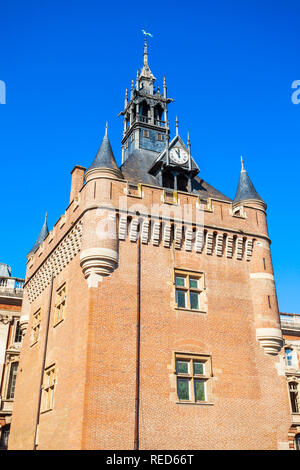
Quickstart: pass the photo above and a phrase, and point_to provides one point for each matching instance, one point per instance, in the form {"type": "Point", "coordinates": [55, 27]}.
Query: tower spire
{"type": "Point", "coordinates": [145, 52]}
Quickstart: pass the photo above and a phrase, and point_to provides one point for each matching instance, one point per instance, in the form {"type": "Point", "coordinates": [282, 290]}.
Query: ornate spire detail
{"type": "Point", "coordinates": [176, 125]}
{"type": "Point", "coordinates": [146, 72]}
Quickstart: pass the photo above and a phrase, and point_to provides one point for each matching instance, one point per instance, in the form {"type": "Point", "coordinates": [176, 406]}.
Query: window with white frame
{"type": "Point", "coordinates": [288, 356]}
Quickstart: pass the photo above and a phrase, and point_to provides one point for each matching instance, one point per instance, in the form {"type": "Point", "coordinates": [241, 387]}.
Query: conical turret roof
{"type": "Point", "coordinates": [43, 234]}
{"type": "Point", "coordinates": [245, 189]}
{"type": "Point", "coordinates": [105, 157]}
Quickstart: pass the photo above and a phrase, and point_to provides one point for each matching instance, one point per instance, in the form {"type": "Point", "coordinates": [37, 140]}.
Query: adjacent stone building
{"type": "Point", "coordinates": [11, 292]}
{"type": "Point", "coordinates": [150, 314]}
{"type": "Point", "coordinates": [290, 324]}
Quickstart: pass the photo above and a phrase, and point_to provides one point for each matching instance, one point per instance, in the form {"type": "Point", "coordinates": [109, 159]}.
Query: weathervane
{"type": "Point", "coordinates": [147, 34]}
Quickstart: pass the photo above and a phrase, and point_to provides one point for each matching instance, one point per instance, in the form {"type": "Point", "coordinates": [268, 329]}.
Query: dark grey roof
{"type": "Point", "coordinates": [43, 234]}
{"type": "Point", "coordinates": [245, 189]}
{"type": "Point", "coordinates": [136, 167]}
{"type": "Point", "coordinates": [105, 157]}
{"type": "Point", "coordinates": [5, 270]}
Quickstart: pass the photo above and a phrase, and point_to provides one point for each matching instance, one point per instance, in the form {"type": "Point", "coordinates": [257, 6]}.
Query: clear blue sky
{"type": "Point", "coordinates": [229, 66]}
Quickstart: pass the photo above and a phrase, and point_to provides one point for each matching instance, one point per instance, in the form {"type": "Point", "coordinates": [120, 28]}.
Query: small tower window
{"type": "Point", "coordinates": [297, 441]}
{"type": "Point", "coordinates": [159, 137]}
{"type": "Point", "coordinates": [146, 134]}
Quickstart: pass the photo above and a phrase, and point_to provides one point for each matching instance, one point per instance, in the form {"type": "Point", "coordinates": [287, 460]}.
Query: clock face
{"type": "Point", "coordinates": [179, 155]}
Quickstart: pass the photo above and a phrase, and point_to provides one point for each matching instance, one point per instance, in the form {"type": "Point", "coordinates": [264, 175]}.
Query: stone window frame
{"type": "Point", "coordinates": [17, 332]}
{"type": "Point", "coordinates": [201, 289]}
{"type": "Point", "coordinates": [11, 381]}
{"type": "Point", "coordinates": [170, 196]}
{"type": "Point", "coordinates": [36, 326]}
{"type": "Point", "coordinates": [60, 304]}
{"type": "Point", "coordinates": [48, 388]}
{"type": "Point", "coordinates": [134, 189]}
{"type": "Point", "coordinates": [206, 359]}
{"type": "Point", "coordinates": [290, 381]}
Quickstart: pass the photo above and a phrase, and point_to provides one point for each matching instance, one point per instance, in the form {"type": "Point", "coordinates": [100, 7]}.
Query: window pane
{"type": "Point", "coordinates": [199, 390]}
{"type": "Point", "coordinates": [180, 298]}
{"type": "Point", "coordinates": [183, 389]}
{"type": "Point", "coordinates": [194, 283]}
{"type": "Point", "coordinates": [289, 356]}
{"type": "Point", "coordinates": [180, 281]}
{"type": "Point", "coordinates": [182, 367]}
{"type": "Point", "coordinates": [12, 380]}
{"type": "Point", "coordinates": [198, 368]}
{"type": "Point", "coordinates": [194, 299]}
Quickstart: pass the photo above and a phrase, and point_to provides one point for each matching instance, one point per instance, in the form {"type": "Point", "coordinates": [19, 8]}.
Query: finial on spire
{"type": "Point", "coordinates": [126, 98]}
{"type": "Point", "coordinates": [146, 47]}
{"type": "Point", "coordinates": [106, 129]}
{"type": "Point", "coordinates": [176, 124]}
{"type": "Point", "coordinates": [242, 163]}
{"type": "Point", "coordinates": [165, 88]}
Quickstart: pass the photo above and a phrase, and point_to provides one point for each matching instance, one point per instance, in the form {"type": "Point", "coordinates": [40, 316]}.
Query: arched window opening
{"type": "Point", "coordinates": [168, 180]}
{"type": "Point", "coordinates": [144, 109]}
{"type": "Point", "coordinates": [294, 396]}
{"type": "Point", "coordinates": [182, 183]}
{"type": "Point", "coordinates": [158, 112]}
{"type": "Point", "coordinates": [297, 442]}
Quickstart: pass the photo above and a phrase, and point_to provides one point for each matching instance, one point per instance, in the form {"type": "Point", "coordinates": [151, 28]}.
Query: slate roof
{"type": "Point", "coordinates": [245, 189]}
{"type": "Point", "coordinates": [105, 157]}
{"type": "Point", "coordinates": [42, 235]}
{"type": "Point", "coordinates": [135, 169]}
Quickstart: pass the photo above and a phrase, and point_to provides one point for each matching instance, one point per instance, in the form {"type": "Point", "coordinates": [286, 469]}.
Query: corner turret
{"type": "Point", "coordinates": [246, 192]}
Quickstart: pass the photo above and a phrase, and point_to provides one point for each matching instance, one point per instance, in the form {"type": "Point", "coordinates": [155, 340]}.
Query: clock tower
{"type": "Point", "coordinates": [145, 113]}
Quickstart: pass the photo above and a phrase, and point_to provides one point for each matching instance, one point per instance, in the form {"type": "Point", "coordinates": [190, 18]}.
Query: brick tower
{"type": "Point", "coordinates": [150, 314]}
